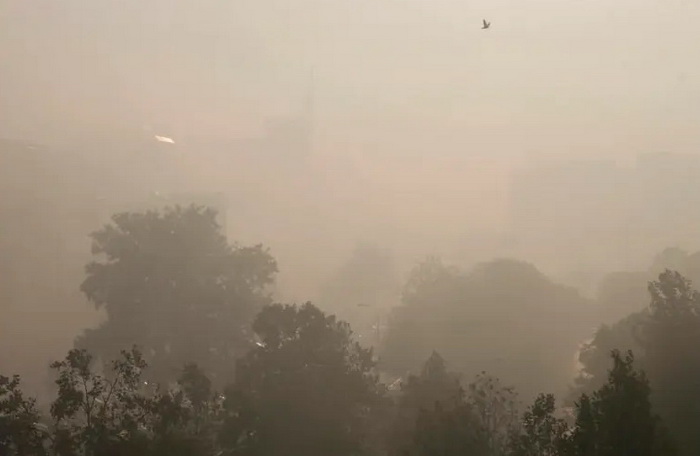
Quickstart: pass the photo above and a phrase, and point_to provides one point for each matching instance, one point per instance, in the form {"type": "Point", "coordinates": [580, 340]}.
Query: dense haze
{"type": "Point", "coordinates": [355, 139]}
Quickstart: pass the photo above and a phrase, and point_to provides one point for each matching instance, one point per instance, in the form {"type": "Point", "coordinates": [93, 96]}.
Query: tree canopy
{"type": "Point", "coordinates": [501, 317]}
{"type": "Point", "coordinates": [170, 283]}
{"type": "Point", "coordinates": [618, 419]}
{"type": "Point", "coordinates": [434, 385]}
{"type": "Point", "coordinates": [19, 417]}
{"type": "Point", "coordinates": [615, 420]}
{"type": "Point", "coordinates": [306, 389]}
{"type": "Point", "coordinates": [113, 413]}
{"type": "Point", "coordinates": [665, 335]}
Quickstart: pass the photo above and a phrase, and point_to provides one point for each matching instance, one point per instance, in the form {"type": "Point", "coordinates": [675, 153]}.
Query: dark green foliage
{"type": "Point", "coordinates": [618, 419]}
{"type": "Point", "coordinates": [542, 433]}
{"type": "Point", "coordinates": [170, 283]}
{"type": "Point", "coordinates": [434, 385]}
{"type": "Point", "coordinates": [119, 414]}
{"type": "Point", "coordinates": [449, 432]}
{"type": "Point", "coordinates": [21, 431]}
{"type": "Point", "coordinates": [622, 414]}
{"type": "Point", "coordinates": [446, 421]}
{"type": "Point", "coordinates": [307, 389]}
{"type": "Point", "coordinates": [186, 419]}
{"type": "Point", "coordinates": [670, 339]}
{"type": "Point", "coordinates": [196, 386]}
{"type": "Point", "coordinates": [666, 335]}
{"type": "Point", "coordinates": [583, 441]}
{"type": "Point", "coordinates": [94, 414]}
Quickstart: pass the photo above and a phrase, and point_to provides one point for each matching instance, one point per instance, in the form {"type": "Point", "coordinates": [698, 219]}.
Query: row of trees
{"type": "Point", "coordinates": [665, 335]}
{"type": "Point", "coordinates": [305, 389]}
{"type": "Point", "coordinates": [616, 420]}
{"type": "Point", "coordinates": [171, 283]}
{"type": "Point", "coordinates": [309, 389]}
{"type": "Point", "coordinates": [294, 380]}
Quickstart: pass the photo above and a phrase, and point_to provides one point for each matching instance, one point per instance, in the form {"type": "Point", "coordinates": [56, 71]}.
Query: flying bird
{"type": "Point", "coordinates": [486, 25]}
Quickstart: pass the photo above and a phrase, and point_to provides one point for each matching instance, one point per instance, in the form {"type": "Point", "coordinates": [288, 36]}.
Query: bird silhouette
{"type": "Point", "coordinates": [486, 25]}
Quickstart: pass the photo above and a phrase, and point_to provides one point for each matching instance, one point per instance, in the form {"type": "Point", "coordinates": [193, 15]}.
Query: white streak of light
{"type": "Point", "coordinates": [164, 139]}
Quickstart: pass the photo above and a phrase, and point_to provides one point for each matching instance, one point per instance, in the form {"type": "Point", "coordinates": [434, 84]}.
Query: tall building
{"type": "Point", "coordinates": [600, 214]}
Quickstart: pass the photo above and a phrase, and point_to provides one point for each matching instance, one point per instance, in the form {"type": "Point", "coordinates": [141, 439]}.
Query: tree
{"type": "Point", "coordinates": [495, 409]}
{"type": "Point", "coordinates": [624, 293]}
{"type": "Point", "coordinates": [623, 299]}
{"type": "Point", "coordinates": [478, 423]}
{"type": "Point", "coordinates": [307, 389]}
{"type": "Point", "coordinates": [434, 385]}
{"type": "Point", "coordinates": [618, 419]}
{"type": "Point", "coordinates": [118, 414]}
{"type": "Point", "coordinates": [186, 419]}
{"type": "Point", "coordinates": [471, 318]}
{"type": "Point", "coordinates": [449, 432]}
{"type": "Point", "coordinates": [583, 440]}
{"type": "Point", "coordinates": [96, 415]}
{"type": "Point", "coordinates": [429, 279]}
{"type": "Point", "coordinates": [114, 413]}
{"type": "Point", "coordinates": [542, 433]}
{"type": "Point", "coordinates": [624, 424]}
{"type": "Point", "coordinates": [20, 428]}
{"type": "Point", "coordinates": [669, 339]}
{"type": "Point", "coordinates": [409, 340]}
{"type": "Point", "coordinates": [666, 335]}
{"type": "Point", "coordinates": [594, 356]}
{"type": "Point", "coordinates": [170, 283]}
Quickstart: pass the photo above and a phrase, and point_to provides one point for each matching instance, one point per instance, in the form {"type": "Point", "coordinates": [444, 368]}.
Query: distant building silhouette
{"type": "Point", "coordinates": [598, 212]}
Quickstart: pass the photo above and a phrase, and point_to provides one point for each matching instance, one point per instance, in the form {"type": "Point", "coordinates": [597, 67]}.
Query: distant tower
{"type": "Point", "coordinates": [310, 109]}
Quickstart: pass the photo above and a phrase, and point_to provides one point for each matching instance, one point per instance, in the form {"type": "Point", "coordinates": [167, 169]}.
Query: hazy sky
{"type": "Point", "coordinates": [415, 104]}
{"type": "Point", "coordinates": [556, 75]}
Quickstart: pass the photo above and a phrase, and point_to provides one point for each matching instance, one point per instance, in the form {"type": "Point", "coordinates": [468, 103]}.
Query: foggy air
{"type": "Point", "coordinates": [349, 228]}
